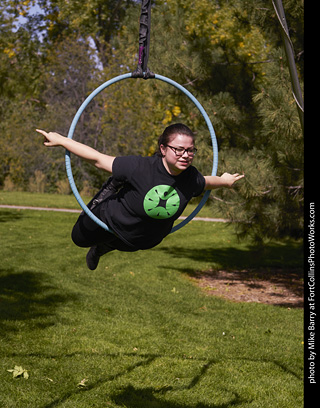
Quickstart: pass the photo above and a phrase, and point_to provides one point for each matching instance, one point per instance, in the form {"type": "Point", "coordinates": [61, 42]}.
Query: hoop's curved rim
{"type": "Point", "coordinates": [85, 104]}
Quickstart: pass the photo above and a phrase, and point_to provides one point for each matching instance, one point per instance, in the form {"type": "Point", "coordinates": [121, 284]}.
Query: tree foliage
{"type": "Point", "coordinates": [228, 53]}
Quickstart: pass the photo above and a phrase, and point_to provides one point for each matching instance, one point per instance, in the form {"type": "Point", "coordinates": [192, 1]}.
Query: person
{"type": "Point", "coordinates": [144, 195]}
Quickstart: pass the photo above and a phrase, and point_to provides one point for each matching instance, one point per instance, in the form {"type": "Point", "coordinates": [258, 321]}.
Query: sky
{"type": "Point", "coordinates": [33, 10]}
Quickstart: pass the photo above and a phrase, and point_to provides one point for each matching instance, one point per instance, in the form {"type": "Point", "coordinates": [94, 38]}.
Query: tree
{"type": "Point", "coordinates": [227, 53]}
{"type": "Point", "coordinates": [245, 88]}
{"type": "Point", "coordinates": [20, 85]}
{"type": "Point", "coordinates": [59, 19]}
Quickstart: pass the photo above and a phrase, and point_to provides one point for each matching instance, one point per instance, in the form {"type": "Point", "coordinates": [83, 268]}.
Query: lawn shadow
{"type": "Point", "coordinates": [131, 397]}
{"type": "Point", "coordinates": [272, 274]}
{"type": "Point", "coordinates": [148, 397]}
{"type": "Point", "coordinates": [9, 216]}
{"type": "Point", "coordinates": [28, 296]}
{"type": "Point", "coordinates": [151, 397]}
{"type": "Point", "coordinates": [287, 255]}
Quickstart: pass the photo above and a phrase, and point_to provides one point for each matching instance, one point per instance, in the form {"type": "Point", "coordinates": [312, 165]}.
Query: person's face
{"type": "Point", "coordinates": [177, 155]}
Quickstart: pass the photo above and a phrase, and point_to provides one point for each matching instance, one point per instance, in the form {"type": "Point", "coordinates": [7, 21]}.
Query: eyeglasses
{"type": "Point", "coordinates": [180, 151]}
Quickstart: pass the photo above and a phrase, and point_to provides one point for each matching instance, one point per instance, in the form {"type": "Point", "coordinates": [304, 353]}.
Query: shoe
{"type": "Point", "coordinates": [92, 258]}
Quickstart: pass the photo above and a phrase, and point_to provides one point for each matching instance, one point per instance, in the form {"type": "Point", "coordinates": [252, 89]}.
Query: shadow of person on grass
{"type": "Point", "coordinates": [131, 397]}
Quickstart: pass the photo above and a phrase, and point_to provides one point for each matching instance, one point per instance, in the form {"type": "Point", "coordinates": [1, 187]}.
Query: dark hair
{"type": "Point", "coordinates": [175, 129]}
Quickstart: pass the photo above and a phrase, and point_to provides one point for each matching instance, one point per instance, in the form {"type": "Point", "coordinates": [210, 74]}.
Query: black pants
{"type": "Point", "coordinates": [87, 233]}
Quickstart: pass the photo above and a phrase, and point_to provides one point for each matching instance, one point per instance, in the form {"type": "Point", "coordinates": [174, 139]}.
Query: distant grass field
{"type": "Point", "coordinates": [137, 333]}
{"type": "Point", "coordinates": [39, 200]}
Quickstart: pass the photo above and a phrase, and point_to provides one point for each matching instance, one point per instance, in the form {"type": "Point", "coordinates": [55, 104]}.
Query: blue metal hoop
{"type": "Point", "coordinates": [79, 113]}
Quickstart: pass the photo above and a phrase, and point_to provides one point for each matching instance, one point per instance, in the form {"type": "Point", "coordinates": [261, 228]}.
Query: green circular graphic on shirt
{"type": "Point", "coordinates": [161, 202]}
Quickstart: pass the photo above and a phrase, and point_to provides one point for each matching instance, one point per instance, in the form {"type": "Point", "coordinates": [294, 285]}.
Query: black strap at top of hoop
{"type": "Point", "coordinates": [142, 70]}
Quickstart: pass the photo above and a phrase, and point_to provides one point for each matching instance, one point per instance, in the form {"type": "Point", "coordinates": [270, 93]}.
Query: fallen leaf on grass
{"type": "Point", "coordinates": [18, 371]}
{"type": "Point", "coordinates": [82, 383]}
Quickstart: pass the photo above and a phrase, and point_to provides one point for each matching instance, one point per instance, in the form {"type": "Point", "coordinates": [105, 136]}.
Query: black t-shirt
{"type": "Point", "coordinates": [144, 211]}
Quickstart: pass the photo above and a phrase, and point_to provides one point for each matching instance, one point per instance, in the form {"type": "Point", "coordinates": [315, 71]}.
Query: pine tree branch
{"type": "Point", "coordinates": [249, 63]}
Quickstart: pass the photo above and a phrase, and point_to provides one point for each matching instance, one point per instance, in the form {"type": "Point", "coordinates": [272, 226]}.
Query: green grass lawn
{"type": "Point", "coordinates": [39, 200]}
{"type": "Point", "coordinates": [136, 332]}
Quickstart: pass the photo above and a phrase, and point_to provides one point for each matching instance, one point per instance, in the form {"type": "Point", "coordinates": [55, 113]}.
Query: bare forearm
{"type": "Point", "coordinates": [99, 160]}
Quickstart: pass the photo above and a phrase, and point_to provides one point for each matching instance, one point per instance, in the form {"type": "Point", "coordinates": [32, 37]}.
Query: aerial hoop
{"type": "Point", "coordinates": [79, 113]}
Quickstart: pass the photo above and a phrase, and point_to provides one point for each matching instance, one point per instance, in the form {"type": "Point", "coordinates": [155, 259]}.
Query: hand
{"type": "Point", "coordinates": [230, 179]}
{"type": "Point", "coordinates": [51, 139]}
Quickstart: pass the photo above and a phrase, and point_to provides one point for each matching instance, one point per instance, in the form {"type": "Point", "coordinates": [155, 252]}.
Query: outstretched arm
{"type": "Point", "coordinates": [226, 180]}
{"type": "Point", "coordinates": [99, 160]}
